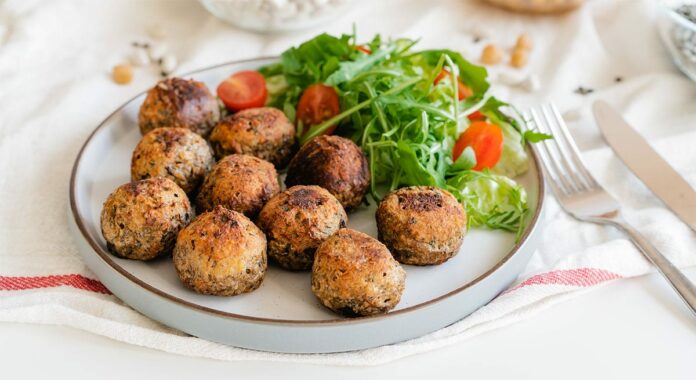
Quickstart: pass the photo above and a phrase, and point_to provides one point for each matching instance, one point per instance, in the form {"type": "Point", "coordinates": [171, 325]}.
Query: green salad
{"type": "Point", "coordinates": [421, 117]}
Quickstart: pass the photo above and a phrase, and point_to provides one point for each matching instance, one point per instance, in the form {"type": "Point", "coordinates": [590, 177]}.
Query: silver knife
{"type": "Point", "coordinates": [645, 163]}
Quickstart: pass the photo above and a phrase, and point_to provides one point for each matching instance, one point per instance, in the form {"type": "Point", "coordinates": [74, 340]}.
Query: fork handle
{"type": "Point", "coordinates": [675, 277]}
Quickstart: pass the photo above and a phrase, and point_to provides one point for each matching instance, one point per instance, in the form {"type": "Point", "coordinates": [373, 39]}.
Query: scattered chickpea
{"type": "Point", "coordinates": [122, 73]}
{"type": "Point", "coordinates": [518, 58]}
{"type": "Point", "coordinates": [491, 55]}
{"type": "Point", "coordinates": [524, 42]}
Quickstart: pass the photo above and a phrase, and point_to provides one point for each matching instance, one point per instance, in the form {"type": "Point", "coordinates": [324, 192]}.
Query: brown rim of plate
{"type": "Point", "coordinates": [106, 257]}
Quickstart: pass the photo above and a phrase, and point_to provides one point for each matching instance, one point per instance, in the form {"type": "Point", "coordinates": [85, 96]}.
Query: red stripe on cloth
{"type": "Point", "coordinates": [37, 282]}
{"type": "Point", "coordinates": [581, 277]}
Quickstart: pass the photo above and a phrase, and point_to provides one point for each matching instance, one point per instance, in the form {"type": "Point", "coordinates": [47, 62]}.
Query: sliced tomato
{"type": "Point", "coordinates": [485, 139]}
{"type": "Point", "coordinates": [318, 103]}
{"type": "Point", "coordinates": [477, 116]}
{"type": "Point", "coordinates": [463, 90]}
{"type": "Point", "coordinates": [442, 75]}
{"type": "Point", "coordinates": [242, 90]}
{"type": "Point", "coordinates": [363, 49]}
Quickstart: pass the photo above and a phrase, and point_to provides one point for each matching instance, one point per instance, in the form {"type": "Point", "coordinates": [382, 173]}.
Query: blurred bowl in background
{"type": "Point", "coordinates": [537, 6]}
{"type": "Point", "coordinates": [270, 16]}
{"type": "Point", "coordinates": [677, 27]}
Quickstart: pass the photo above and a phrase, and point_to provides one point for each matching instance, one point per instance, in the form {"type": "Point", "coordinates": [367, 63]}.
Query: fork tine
{"type": "Point", "coordinates": [542, 153]}
{"type": "Point", "coordinates": [548, 158]}
{"type": "Point", "coordinates": [574, 151]}
{"type": "Point", "coordinates": [554, 180]}
{"type": "Point", "coordinates": [564, 153]}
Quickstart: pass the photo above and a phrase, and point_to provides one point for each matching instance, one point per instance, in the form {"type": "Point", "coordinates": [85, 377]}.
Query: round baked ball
{"type": "Point", "coordinates": [262, 132]}
{"type": "Point", "coordinates": [221, 253]}
{"type": "Point", "coordinates": [179, 103]}
{"type": "Point", "coordinates": [334, 163]}
{"type": "Point", "coordinates": [175, 153]}
{"type": "Point", "coordinates": [355, 275]}
{"type": "Point", "coordinates": [421, 225]}
{"type": "Point", "coordinates": [140, 219]}
{"type": "Point", "coordinates": [296, 221]}
{"type": "Point", "coordinates": [239, 182]}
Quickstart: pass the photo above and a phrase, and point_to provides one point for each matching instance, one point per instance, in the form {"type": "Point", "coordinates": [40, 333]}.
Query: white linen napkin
{"type": "Point", "coordinates": [54, 64]}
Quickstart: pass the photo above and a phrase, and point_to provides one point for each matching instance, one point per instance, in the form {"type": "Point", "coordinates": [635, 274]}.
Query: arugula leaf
{"type": "Point", "coordinates": [316, 59]}
{"type": "Point", "coordinates": [405, 124]}
{"type": "Point", "coordinates": [472, 75]}
{"type": "Point", "coordinates": [318, 129]}
{"type": "Point", "coordinates": [534, 137]}
{"type": "Point", "coordinates": [492, 109]}
{"type": "Point", "coordinates": [414, 172]}
{"type": "Point", "coordinates": [349, 69]}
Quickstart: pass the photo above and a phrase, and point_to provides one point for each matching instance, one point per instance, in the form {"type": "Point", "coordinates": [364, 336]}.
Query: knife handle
{"type": "Point", "coordinates": [675, 277]}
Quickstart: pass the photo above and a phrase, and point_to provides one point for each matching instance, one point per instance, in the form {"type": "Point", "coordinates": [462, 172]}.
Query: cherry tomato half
{"type": "Point", "coordinates": [463, 90]}
{"type": "Point", "coordinates": [318, 103]}
{"type": "Point", "coordinates": [485, 139]}
{"type": "Point", "coordinates": [242, 90]}
{"type": "Point", "coordinates": [477, 116]}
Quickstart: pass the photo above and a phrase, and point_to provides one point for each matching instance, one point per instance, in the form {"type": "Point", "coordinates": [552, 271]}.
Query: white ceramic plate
{"type": "Point", "coordinates": [283, 315]}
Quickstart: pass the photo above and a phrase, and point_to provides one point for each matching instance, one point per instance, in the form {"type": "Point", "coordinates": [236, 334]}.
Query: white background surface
{"type": "Point", "coordinates": [634, 328]}
{"type": "Point", "coordinates": [629, 329]}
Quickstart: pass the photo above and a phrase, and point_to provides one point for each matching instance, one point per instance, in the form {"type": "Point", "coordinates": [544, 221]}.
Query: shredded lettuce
{"type": "Point", "coordinates": [405, 123]}
{"type": "Point", "coordinates": [492, 200]}
{"type": "Point", "coordinates": [514, 160]}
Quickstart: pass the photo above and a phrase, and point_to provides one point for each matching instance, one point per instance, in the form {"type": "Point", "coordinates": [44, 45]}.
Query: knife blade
{"type": "Point", "coordinates": [646, 164]}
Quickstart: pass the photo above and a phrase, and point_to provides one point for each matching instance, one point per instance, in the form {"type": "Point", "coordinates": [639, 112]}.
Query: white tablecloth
{"type": "Point", "coordinates": [55, 59]}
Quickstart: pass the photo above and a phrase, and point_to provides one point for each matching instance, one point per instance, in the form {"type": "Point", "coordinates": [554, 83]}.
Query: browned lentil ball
{"type": "Point", "coordinates": [421, 225]}
{"type": "Point", "coordinates": [179, 103]}
{"type": "Point", "coordinates": [221, 253]}
{"type": "Point", "coordinates": [262, 132]}
{"type": "Point", "coordinates": [296, 221]}
{"type": "Point", "coordinates": [175, 153]}
{"type": "Point", "coordinates": [239, 182]}
{"type": "Point", "coordinates": [334, 163]}
{"type": "Point", "coordinates": [140, 219]}
{"type": "Point", "coordinates": [355, 275]}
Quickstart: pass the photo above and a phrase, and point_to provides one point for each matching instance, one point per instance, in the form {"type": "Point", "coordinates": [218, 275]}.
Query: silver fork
{"type": "Point", "coordinates": [582, 197]}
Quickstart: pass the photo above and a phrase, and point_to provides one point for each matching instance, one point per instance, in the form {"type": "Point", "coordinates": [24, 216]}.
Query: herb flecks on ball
{"type": "Point", "coordinates": [421, 225]}
{"type": "Point", "coordinates": [221, 253]}
{"type": "Point", "coordinates": [175, 153]}
{"type": "Point", "coordinates": [334, 163]}
{"type": "Point", "coordinates": [239, 182]}
{"type": "Point", "coordinates": [355, 275]}
{"type": "Point", "coordinates": [140, 219]}
{"type": "Point", "coordinates": [179, 103]}
{"type": "Point", "coordinates": [297, 221]}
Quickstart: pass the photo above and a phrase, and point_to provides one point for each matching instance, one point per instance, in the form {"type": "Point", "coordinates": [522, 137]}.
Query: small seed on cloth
{"type": "Point", "coordinates": [479, 33]}
{"type": "Point", "coordinates": [122, 73]}
{"type": "Point", "coordinates": [524, 42]}
{"type": "Point", "coordinates": [519, 58]}
{"type": "Point", "coordinates": [583, 90]}
{"type": "Point", "coordinates": [491, 55]}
